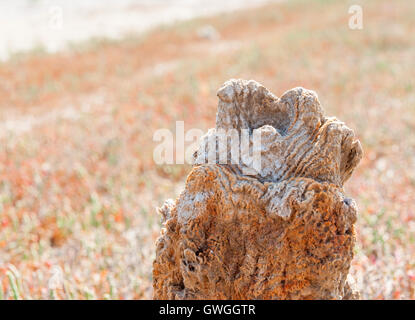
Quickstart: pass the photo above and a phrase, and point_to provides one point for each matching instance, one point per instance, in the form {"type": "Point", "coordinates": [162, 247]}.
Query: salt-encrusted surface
{"type": "Point", "coordinates": [284, 232]}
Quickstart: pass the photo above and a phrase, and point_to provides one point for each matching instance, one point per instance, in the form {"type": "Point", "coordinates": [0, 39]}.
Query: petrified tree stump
{"type": "Point", "coordinates": [284, 232]}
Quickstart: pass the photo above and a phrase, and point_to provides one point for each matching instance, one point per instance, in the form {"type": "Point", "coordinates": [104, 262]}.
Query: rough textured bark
{"type": "Point", "coordinates": [285, 232]}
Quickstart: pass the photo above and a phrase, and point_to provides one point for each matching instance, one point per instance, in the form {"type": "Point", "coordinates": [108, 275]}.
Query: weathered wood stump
{"type": "Point", "coordinates": [283, 232]}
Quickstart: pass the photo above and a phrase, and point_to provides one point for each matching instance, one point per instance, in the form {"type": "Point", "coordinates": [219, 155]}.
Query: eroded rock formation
{"type": "Point", "coordinates": [283, 232]}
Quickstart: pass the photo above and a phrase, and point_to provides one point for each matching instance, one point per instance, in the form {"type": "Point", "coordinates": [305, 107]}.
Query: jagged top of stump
{"type": "Point", "coordinates": [297, 139]}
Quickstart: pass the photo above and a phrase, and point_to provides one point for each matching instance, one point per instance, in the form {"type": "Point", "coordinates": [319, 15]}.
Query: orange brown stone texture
{"type": "Point", "coordinates": [286, 232]}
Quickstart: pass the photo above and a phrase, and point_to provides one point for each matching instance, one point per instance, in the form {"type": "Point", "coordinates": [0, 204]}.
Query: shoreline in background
{"type": "Point", "coordinates": [51, 26]}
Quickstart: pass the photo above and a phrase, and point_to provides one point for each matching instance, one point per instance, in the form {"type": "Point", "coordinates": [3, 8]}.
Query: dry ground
{"type": "Point", "coordinates": [78, 185]}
